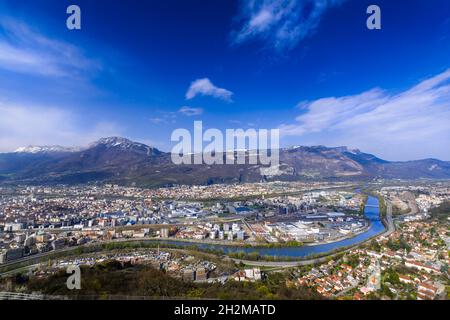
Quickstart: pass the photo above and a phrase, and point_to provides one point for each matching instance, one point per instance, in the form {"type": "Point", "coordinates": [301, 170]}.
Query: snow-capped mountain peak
{"type": "Point", "coordinates": [45, 149]}
{"type": "Point", "coordinates": [124, 144]}
{"type": "Point", "coordinates": [114, 142]}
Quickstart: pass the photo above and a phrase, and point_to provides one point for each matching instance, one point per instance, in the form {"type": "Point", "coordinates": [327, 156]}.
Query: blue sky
{"type": "Point", "coordinates": [141, 69]}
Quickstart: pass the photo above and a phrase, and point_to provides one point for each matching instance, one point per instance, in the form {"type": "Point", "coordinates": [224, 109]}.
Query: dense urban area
{"type": "Point", "coordinates": [159, 233]}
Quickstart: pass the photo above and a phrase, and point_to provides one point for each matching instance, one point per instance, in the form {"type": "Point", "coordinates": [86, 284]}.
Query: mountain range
{"type": "Point", "coordinates": [119, 160]}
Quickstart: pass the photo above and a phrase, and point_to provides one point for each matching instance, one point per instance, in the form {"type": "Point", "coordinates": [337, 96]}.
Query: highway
{"type": "Point", "coordinates": [32, 258]}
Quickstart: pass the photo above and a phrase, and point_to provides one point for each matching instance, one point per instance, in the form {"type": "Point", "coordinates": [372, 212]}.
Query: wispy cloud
{"type": "Point", "coordinates": [22, 125]}
{"type": "Point", "coordinates": [205, 87]}
{"type": "Point", "coordinates": [165, 117]}
{"type": "Point", "coordinates": [25, 50]}
{"type": "Point", "coordinates": [170, 117]}
{"type": "Point", "coordinates": [189, 111]}
{"type": "Point", "coordinates": [157, 120]}
{"type": "Point", "coordinates": [281, 24]}
{"type": "Point", "coordinates": [407, 125]}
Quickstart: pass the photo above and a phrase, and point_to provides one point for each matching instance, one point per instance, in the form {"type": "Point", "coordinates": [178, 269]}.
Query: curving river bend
{"type": "Point", "coordinates": [371, 211]}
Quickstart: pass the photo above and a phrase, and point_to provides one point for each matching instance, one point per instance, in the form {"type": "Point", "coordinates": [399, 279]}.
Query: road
{"type": "Point", "coordinates": [389, 220]}
{"type": "Point", "coordinates": [280, 264]}
{"type": "Point", "coordinates": [19, 270]}
{"type": "Point", "coordinates": [34, 257]}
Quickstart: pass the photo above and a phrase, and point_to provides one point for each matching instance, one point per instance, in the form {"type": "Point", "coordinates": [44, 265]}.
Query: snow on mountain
{"type": "Point", "coordinates": [124, 144]}
{"type": "Point", "coordinates": [45, 149]}
{"type": "Point", "coordinates": [115, 142]}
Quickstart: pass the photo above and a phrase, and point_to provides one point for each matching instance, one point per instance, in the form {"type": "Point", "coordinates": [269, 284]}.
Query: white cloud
{"type": "Point", "coordinates": [282, 24]}
{"type": "Point", "coordinates": [157, 120]}
{"type": "Point", "coordinates": [189, 111]}
{"type": "Point", "coordinates": [408, 125]}
{"type": "Point", "coordinates": [205, 87]}
{"type": "Point", "coordinates": [35, 125]}
{"type": "Point", "coordinates": [25, 50]}
{"type": "Point", "coordinates": [165, 117]}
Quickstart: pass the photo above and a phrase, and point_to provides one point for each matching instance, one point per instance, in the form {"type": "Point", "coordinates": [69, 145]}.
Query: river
{"type": "Point", "coordinates": [371, 211]}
